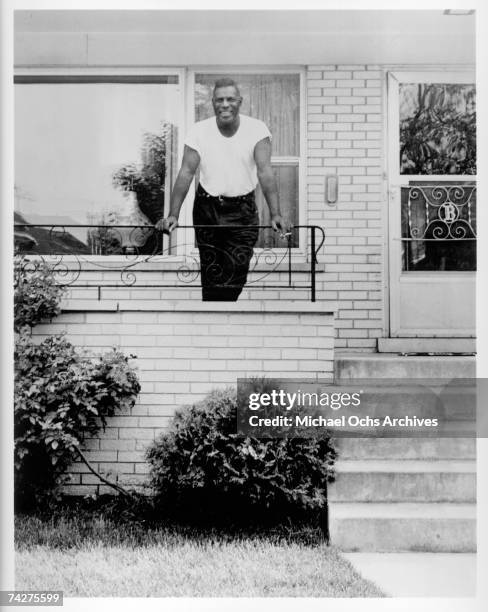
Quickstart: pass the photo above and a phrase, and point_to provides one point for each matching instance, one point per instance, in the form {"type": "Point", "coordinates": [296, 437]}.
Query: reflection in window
{"type": "Point", "coordinates": [437, 128]}
{"type": "Point", "coordinates": [274, 99]}
{"type": "Point", "coordinates": [94, 153]}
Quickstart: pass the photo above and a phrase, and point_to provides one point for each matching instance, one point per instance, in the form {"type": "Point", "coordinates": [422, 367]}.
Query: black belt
{"type": "Point", "coordinates": [223, 199]}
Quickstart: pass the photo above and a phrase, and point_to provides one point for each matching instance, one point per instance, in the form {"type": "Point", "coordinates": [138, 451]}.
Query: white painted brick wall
{"type": "Point", "coordinates": [182, 354]}
{"type": "Point", "coordinates": [344, 135]}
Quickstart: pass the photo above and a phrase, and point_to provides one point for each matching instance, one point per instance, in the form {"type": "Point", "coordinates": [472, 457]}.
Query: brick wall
{"type": "Point", "coordinates": [345, 138]}
{"type": "Point", "coordinates": [185, 349]}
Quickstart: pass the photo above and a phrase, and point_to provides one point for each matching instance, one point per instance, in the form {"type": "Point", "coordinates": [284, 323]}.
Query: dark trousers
{"type": "Point", "coordinates": [225, 252]}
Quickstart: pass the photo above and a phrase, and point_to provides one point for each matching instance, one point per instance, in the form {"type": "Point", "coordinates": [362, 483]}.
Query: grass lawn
{"type": "Point", "coordinates": [97, 557]}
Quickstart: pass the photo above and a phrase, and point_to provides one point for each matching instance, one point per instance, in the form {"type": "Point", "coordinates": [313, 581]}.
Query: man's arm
{"type": "Point", "coordinates": [189, 165]}
{"type": "Point", "coordinates": [267, 180]}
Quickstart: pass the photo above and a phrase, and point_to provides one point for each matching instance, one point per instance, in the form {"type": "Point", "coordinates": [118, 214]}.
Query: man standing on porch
{"type": "Point", "coordinates": [233, 153]}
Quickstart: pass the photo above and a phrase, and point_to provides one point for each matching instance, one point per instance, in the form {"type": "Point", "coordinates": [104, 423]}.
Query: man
{"type": "Point", "coordinates": [233, 152]}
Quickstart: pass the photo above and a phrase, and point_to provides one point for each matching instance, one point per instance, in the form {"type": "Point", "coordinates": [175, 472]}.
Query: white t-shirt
{"type": "Point", "coordinates": [227, 165]}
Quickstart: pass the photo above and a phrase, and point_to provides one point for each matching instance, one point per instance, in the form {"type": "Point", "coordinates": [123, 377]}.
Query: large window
{"type": "Point", "coordinates": [94, 151]}
{"type": "Point", "coordinates": [275, 99]}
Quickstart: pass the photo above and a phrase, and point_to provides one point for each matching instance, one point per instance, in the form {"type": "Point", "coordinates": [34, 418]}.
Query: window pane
{"type": "Point", "coordinates": [439, 227]}
{"type": "Point", "coordinates": [92, 154]}
{"type": "Point", "coordinates": [273, 98]}
{"type": "Point", "coordinates": [437, 128]}
{"type": "Point", "coordinates": [287, 179]}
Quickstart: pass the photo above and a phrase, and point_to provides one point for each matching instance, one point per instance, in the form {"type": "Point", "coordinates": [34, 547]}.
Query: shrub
{"type": "Point", "coordinates": [61, 396]}
{"type": "Point", "coordinates": [202, 466]}
{"type": "Point", "coordinates": [36, 295]}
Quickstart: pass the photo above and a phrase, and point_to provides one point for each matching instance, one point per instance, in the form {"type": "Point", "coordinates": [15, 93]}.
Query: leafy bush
{"type": "Point", "coordinates": [36, 295]}
{"type": "Point", "coordinates": [202, 465]}
{"type": "Point", "coordinates": [60, 397]}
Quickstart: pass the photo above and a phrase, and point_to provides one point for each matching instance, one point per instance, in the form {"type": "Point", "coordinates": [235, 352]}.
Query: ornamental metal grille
{"type": "Point", "coordinates": [439, 226]}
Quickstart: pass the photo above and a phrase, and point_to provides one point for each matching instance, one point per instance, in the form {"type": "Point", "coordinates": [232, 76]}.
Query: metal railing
{"type": "Point", "coordinates": [139, 249]}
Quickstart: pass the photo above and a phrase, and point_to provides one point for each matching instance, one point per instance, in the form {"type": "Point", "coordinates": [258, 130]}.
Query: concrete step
{"type": "Point", "coordinates": [427, 345]}
{"type": "Point", "coordinates": [385, 480]}
{"type": "Point", "coordinates": [388, 527]}
{"type": "Point", "coordinates": [386, 365]}
{"type": "Point", "coordinates": [397, 399]}
{"type": "Point", "coordinates": [406, 448]}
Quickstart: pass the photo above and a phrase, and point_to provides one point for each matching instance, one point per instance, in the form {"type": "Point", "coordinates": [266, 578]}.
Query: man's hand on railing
{"type": "Point", "coordinates": [167, 225]}
{"type": "Point", "coordinates": [281, 225]}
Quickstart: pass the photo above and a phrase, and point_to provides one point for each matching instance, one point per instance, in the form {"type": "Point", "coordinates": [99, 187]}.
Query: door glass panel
{"type": "Point", "coordinates": [438, 226]}
{"type": "Point", "coordinates": [94, 153]}
{"type": "Point", "coordinates": [437, 128]}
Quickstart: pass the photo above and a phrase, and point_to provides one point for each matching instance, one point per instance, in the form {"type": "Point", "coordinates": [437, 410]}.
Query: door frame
{"type": "Point", "coordinates": [393, 182]}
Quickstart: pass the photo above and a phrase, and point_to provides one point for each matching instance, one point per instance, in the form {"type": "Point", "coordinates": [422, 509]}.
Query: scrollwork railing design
{"type": "Point", "coordinates": [128, 251]}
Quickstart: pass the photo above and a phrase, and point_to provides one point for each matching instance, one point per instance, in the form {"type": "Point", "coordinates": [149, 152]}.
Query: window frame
{"type": "Point", "coordinates": [299, 253]}
{"type": "Point", "coordinates": [186, 82]}
{"type": "Point", "coordinates": [396, 180]}
{"type": "Point", "coordinates": [138, 74]}
{"type": "Point", "coordinates": [394, 79]}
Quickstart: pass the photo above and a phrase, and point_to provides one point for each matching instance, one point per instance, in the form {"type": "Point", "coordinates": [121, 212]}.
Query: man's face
{"type": "Point", "coordinates": [226, 103]}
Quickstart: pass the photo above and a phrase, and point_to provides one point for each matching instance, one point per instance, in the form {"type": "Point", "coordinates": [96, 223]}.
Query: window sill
{"type": "Point", "coordinates": [263, 306]}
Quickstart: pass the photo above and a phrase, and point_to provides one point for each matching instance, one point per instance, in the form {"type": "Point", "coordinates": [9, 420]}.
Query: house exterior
{"type": "Point", "coordinates": [341, 92]}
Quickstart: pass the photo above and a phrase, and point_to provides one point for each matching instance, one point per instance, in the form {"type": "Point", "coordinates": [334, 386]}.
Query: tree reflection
{"type": "Point", "coordinates": [438, 129]}
{"type": "Point", "coordinates": [145, 185]}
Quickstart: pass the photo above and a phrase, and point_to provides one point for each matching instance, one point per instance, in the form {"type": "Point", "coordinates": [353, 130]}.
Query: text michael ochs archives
{"type": "Point", "coordinates": [396, 407]}
{"type": "Point", "coordinates": [303, 409]}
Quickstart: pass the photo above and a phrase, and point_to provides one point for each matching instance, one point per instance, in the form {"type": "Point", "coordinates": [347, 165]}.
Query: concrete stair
{"type": "Point", "coordinates": [408, 480]}
{"type": "Point", "coordinates": [426, 527]}
{"type": "Point", "coordinates": [404, 494]}
{"type": "Point", "coordinates": [389, 365]}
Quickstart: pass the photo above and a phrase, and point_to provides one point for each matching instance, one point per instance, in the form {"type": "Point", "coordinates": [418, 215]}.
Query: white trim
{"type": "Point", "coordinates": [302, 252]}
{"type": "Point", "coordinates": [303, 217]}
{"type": "Point", "coordinates": [247, 69]}
{"type": "Point", "coordinates": [385, 200]}
{"type": "Point", "coordinates": [435, 76]}
{"type": "Point", "coordinates": [404, 179]}
{"type": "Point", "coordinates": [395, 77]}
{"type": "Point", "coordinates": [69, 71]}
{"type": "Point", "coordinates": [285, 161]}
{"type": "Point", "coordinates": [395, 181]}
{"type": "Point", "coordinates": [427, 275]}
{"type": "Point", "coordinates": [394, 259]}
{"type": "Point", "coordinates": [327, 309]}
{"type": "Point", "coordinates": [435, 68]}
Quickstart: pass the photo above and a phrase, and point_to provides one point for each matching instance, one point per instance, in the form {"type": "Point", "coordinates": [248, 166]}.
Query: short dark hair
{"type": "Point", "coordinates": [225, 82]}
